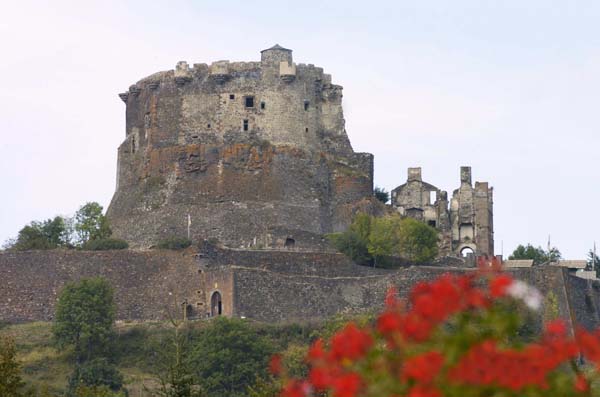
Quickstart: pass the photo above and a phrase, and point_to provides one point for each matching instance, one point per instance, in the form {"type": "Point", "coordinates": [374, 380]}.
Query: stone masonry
{"type": "Point", "coordinates": [465, 223]}
{"type": "Point", "coordinates": [254, 154]}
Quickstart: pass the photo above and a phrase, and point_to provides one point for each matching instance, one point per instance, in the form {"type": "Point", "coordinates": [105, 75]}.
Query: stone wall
{"type": "Point", "coordinates": [147, 284]}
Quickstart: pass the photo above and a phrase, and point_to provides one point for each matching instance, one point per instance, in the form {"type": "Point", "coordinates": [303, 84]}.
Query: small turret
{"type": "Point", "coordinates": [275, 55]}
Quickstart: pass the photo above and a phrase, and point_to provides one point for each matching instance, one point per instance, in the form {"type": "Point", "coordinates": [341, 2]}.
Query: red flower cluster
{"type": "Point", "coordinates": [403, 356]}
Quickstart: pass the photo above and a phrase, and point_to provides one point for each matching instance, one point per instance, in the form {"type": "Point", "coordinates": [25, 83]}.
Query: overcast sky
{"type": "Point", "coordinates": [511, 88]}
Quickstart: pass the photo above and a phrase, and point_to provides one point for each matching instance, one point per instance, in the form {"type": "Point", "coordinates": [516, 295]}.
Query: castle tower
{"type": "Point", "coordinates": [256, 153]}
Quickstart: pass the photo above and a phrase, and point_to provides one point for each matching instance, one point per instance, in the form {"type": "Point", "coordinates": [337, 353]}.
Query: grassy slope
{"type": "Point", "coordinates": [138, 350]}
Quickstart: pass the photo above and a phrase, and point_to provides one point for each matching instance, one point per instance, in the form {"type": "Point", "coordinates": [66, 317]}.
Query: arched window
{"type": "Point", "coordinates": [216, 304]}
{"type": "Point", "coordinates": [466, 251]}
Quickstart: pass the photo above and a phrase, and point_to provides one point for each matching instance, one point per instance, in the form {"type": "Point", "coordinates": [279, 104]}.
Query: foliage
{"type": "Point", "coordinates": [90, 223]}
{"type": "Point", "coordinates": [370, 240]}
{"type": "Point", "coordinates": [384, 237]}
{"type": "Point", "coordinates": [174, 243]}
{"type": "Point", "coordinates": [229, 356]}
{"type": "Point", "coordinates": [49, 234]}
{"type": "Point", "coordinates": [381, 194]}
{"type": "Point", "coordinates": [84, 317]}
{"type": "Point", "coordinates": [177, 379]}
{"type": "Point", "coordinates": [352, 245]}
{"type": "Point", "coordinates": [417, 241]}
{"type": "Point", "coordinates": [455, 337]}
{"type": "Point", "coordinates": [96, 377]}
{"type": "Point", "coordinates": [539, 255]}
{"type": "Point", "coordinates": [593, 262]}
{"type": "Point", "coordinates": [11, 383]}
{"type": "Point", "coordinates": [103, 244]}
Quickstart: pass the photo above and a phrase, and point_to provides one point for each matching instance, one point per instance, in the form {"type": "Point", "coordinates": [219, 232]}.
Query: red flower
{"type": "Point", "coordinates": [346, 385]}
{"type": "Point", "coordinates": [424, 391]}
{"type": "Point", "coordinates": [316, 351]}
{"type": "Point", "coordinates": [389, 322]}
{"type": "Point", "coordinates": [423, 368]}
{"type": "Point", "coordinates": [295, 388]}
{"type": "Point", "coordinates": [581, 384]}
{"type": "Point", "coordinates": [275, 364]}
{"type": "Point", "coordinates": [499, 285]}
{"type": "Point", "coordinates": [351, 343]}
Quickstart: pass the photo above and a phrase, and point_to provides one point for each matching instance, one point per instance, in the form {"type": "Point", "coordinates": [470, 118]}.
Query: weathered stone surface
{"type": "Point", "coordinates": [465, 223]}
{"type": "Point", "coordinates": [146, 284]}
{"type": "Point", "coordinates": [253, 159]}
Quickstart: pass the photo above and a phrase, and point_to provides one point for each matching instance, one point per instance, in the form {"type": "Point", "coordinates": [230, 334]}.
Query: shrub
{"type": "Point", "coordinates": [174, 243]}
{"type": "Point", "coordinates": [93, 376]}
{"type": "Point", "coordinates": [105, 244]}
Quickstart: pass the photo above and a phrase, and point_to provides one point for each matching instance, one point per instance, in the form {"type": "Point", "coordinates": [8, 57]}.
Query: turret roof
{"type": "Point", "coordinates": [277, 47]}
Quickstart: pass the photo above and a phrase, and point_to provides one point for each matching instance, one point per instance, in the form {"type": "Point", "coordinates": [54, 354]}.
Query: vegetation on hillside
{"type": "Point", "coordinates": [370, 240]}
{"type": "Point", "coordinates": [88, 229]}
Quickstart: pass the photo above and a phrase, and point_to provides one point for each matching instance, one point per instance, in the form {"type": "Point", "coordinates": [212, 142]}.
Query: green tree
{"type": "Point", "coordinates": [384, 237]}
{"type": "Point", "coordinates": [353, 242]}
{"type": "Point", "coordinates": [84, 317]}
{"type": "Point", "coordinates": [538, 254]}
{"type": "Point", "coordinates": [11, 383]}
{"type": "Point", "coordinates": [90, 223]}
{"type": "Point", "coordinates": [96, 377]}
{"type": "Point", "coordinates": [49, 234]}
{"type": "Point", "coordinates": [178, 378]}
{"type": "Point", "coordinates": [593, 262]}
{"type": "Point", "coordinates": [229, 357]}
{"type": "Point", "coordinates": [381, 194]}
{"type": "Point", "coordinates": [417, 241]}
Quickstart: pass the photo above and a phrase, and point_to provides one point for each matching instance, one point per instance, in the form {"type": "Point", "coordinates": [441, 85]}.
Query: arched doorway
{"type": "Point", "coordinates": [216, 305]}
{"type": "Point", "coordinates": [466, 251]}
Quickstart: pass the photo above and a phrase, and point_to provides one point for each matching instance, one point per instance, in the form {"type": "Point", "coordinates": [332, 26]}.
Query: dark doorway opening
{"type": "Point", "coordinates": [289, 242]}
{"type": "Point", "coordinates": [431, 223]}
{"type": "Point", "coordinates": [216, 304]}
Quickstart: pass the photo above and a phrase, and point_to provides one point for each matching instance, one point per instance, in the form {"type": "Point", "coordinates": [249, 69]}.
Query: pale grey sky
{"type": "Point", "coordinates": [511, 88]}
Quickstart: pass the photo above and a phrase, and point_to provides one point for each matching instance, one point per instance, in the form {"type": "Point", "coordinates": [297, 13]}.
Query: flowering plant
{"type": "Point", "coordinates": [453, 337]}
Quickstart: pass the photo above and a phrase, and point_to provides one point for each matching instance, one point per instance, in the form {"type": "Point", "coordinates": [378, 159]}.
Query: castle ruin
{"type": "Point", "coordinates": [465, 223]}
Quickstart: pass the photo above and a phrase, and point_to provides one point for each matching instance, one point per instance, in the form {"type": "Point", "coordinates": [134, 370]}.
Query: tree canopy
{"type": "Point", "coordinates": [370, 240]}
{"type": "Point", "coordinates": [538, 254]}
{"type": "Point", "coordinates": [85, 313]}
{"type": "Point", "coordinates": [229, 356]}
{"type": "Point", "coordinates": [48, 234]}
{"type": "Point", "coordinates": [90, 223]}
{"type": "Point", "coordinates": [11, 383]}
{"type": "Point", "coordinates": [381, 194]}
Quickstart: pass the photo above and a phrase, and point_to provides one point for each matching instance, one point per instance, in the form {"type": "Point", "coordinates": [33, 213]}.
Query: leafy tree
{"type": "Point", "coordinates": [90, 223]}
{"type": "Point", "coordinates": [178, 379]}
{"type": "Point", "coordinates": [96, 377]}
{"type": "Point", "coordinates": [593, 262]}
{"type": "Point", "coordinates": [352, 245]}
{"type": "Point", "coordinates": [417, 241]}
{"type": "Point", "coordinates": [381, 194]}
{"type": "Point", "coordinates": [84, 317]}
{"type": "Point", "coordinates": [384, 239]}
{"type": "Point", "coordinates": [539, 255]}
{"type": "Point", "coordinates": [229, 357]}
{"type": "Point", "coordinates": [49, 234]}
{"type": "Point", "coordinates": [11, 383]}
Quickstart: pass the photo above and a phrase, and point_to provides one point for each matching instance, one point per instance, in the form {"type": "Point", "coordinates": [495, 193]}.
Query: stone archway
{"type": "Point", "coordinates": [216, 304]}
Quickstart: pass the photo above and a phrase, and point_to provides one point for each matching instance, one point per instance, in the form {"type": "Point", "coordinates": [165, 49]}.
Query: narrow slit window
{"type": "Point", "coordinates": [306, 105]}
{"type": "Point", "coordinates": [208, 125]}
{"type": "Point", "coordinates": [231, 96]}
{"type": "Point", "coordinates": [249, 101]}
{"type": "Point", "coordinates": [262, 105]}
{"type": "Point", "coordinates": [306, 129]}
{"type": "Point", "coordinates": [245, 125]}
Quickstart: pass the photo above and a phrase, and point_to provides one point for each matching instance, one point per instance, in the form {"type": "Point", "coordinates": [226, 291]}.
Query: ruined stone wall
{"type": "Point", "coordinates": [147, 284]}
{"type": "Point", "coordinates": [249, 172]}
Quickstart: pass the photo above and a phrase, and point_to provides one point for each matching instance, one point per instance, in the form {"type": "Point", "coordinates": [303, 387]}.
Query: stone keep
{"type": "Point", "coordinates": [465, 223]}
{"type": "Point", "coordinates": [255, 153]}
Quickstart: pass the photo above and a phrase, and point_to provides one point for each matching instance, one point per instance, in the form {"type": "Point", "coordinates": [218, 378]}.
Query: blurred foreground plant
{"type": "Point", "coordinates": [454, 337]}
